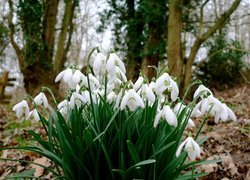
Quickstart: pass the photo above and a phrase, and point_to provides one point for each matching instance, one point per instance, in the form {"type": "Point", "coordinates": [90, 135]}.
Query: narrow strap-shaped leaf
{"type": "Point", "coordinates": [132, 151]}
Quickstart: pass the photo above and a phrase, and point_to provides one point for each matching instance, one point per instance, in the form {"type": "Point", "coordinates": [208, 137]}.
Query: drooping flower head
{"type": "Point", "coordinates": [22, 110]}
{"type": "Point", "coordinates": [191, 147]}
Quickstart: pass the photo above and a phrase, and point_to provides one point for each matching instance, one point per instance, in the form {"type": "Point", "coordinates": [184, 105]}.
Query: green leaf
{"type": "Point", "coordinates": [189, 176]}
{"type": "Point", "coordinates": [19, 176]}
{"type": "Point", "coordinates": [145, 162]}
{"type": "Point", "coordinates": [133, 152]}
{"type": "Point", "coordinates": [164, 148]}
{"type": "Point", "coordinates": [120, 171]}
{"type": "Point", "coordinates": [87, 137]}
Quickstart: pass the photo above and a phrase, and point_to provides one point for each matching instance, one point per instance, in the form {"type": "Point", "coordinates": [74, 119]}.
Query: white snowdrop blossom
{"type": "Point", "coordinates": [111, 97]}
{"type": "Point", "coordinates": [41, 99]}
{"type": "Point", "coordinates": [132, 100]}
{"type": "Point", "coordinates": [167, 114]}
{"type": "Point", "coordinates": [191, 147]}
{"type": "Point", "coordinates": [113, 61]}
{"type": "Point", "coordinates": [179, 107]}
{"type": "Point", "coordinates": [224, 114]}
{"type": "Point", "coordinates": [71, 77]}
{"type": "Point", "coordinates": [114, 84]}
{"type": "Point", "coordinates": [165, 82]}
{"type": "Point", "coordinates": [94, 83]}
{"type": "Point", "coordinates": [99, 65]}
{"type": "Point", "coordinates": [77, 77]}
{"type": "Point", "coordinates": [22, 110]}
{"type": "Point", "coordinates": [215, 108]}
{"type": "Point", "coordinates": [117, 74]}
{"type": "Point", "coordinates": [34, 114]}
{"type": "Point", "coordinates": [65, 75]}
{"type": "Point", "coordinates": [63, 107]}
{"type": "Point", "coordinates": [147, 93]}
{"type": "Point", "coordinates": [202, 92]}
{"type": "Point", "coordinates": [76, 99]}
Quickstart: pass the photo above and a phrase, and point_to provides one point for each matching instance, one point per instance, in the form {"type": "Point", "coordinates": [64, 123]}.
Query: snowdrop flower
{"type": "Point", "coordinates": [117, 74]}
{"type": "Point", "coordinates": [94, 83]}
{"type": "Point", "coordinates": [147, 93]}
{"type": "Point", "coordinates": [111, 97]}
{"type": "Point", "coordinates": [22, 110]}
{"type": "Point", "coordinates": [71, 77]}
{"type": "Point", "coordinates": [65, 75]}
{"type": "Point", "coordinates": [99, 65]}
{"type": "Point", "coordinates": [179, 107]}
{"type": "Point", "coordinates": [225, 114]}
{"type": "Point", "coordinates": [35, 114]}
{"type": "Point", "coordinates": [132, 100]}
{"type": "Point", "coordinates": [167, 114]}
{"type": "Point", "coordinates": [41, 99]}
{"type": "Point", "coordinates": [192, 148]}
{"type": "Point", "coordinates": [173, 88]}
{"type": "Point", "coordinates": [202, 92]}
{"type": "Point", "coordinates": [165, 82]}
{"type": "Point", "coordinates": [77, 77]}
{"type": "Point", "coordinates": [63, 107]}
{"type": "Point", "coordinates": [113, 61]}
{"type": "Point", "coordinates": [138, 83]}
{"type": "Point", "coordinates": [76, 99]}
{"type": "Point", "coordinates": [86, 96]}
{"type": "Point", "coordinates": [114, 84]}
{"type": "Point", "coordinates": [152, 86]}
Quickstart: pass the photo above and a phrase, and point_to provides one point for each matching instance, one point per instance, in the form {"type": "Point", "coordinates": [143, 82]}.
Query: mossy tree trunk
{"type": "Point", "coordinates": [37, 58]}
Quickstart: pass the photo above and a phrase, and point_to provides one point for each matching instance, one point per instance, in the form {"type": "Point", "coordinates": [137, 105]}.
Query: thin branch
{"type": "Point", "coordinates": [201, 17]}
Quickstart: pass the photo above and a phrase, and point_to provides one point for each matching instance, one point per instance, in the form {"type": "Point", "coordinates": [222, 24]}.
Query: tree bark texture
{"type": "Point", "coordinates": [134, 30]}
{"type": "Point", "coordinates": [174, 44]}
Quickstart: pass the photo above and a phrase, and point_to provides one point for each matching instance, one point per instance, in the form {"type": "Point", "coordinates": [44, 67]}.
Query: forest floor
{"type": "Point", "coordinates": [229, 141]}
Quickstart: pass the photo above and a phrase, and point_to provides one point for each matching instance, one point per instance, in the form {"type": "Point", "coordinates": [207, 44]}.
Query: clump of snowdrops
{"type": "Point", "coordinates": [108, 127]}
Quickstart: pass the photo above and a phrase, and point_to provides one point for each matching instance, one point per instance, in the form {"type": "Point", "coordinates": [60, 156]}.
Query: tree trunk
{"type": "Point", "coordinates": [152, 52]}
{"type": "Point", "coordinates": [134, 31]}
{"type": "Point", "coordinates": [49, 23]}
{"type": "Point", "coordinates": [61, 45]}
{"type": "Point", "coordinates": [174, 47]}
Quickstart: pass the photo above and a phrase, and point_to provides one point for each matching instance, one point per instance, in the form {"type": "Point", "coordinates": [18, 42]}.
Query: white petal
{"type": "Point", "coordinates": [192, 154]}
{"type": "Point", "coordinates": [157, 118]}
{"type": "Point", "coordinates": [45, 101]}
{"type": "Point", "coordinates": [191, 122]}
{"type": "Point", "coordinates": [180, 148]}
{"type": "Point", "coordinates": [110, 64]}
{"type": "Point", "coordinates": [131, 105]}
{"type": "Point", "coordinates": [77, 76]}
{"type": "Point", "coordinates": [67, 75]}
{"type": "Point", "coordinates": [22, 104]}
{"type": "Point", "coordinates": [124, 101]}
{"type": "Point", "coordinates": [138, 83]}
{"type": "Point", "coordinates": [59, 76]}
{"type": "Point", "coordinates": [118, 99]}
{"type": "Point", "coordinates": [150, 95]}
{"type": "Point", "coordinates": [138, 99]}
{"type": "Point", "coordinates": [170, 116]}
{"type": "Point", "coordinates": [196, 148]}
{"type": "Point", "coordinates": [62, 104]}
{"type": "Point", "coordinates": [19, 113]}
{"type": "Point", "coordinates": [231, 114]}
{"type": "Point", "coordinates": [97, 64]}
